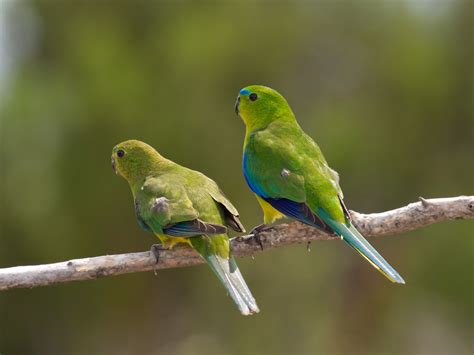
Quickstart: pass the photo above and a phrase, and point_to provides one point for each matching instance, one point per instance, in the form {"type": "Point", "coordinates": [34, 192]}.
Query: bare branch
{"type": "Point", "coordinates": [414, 216]}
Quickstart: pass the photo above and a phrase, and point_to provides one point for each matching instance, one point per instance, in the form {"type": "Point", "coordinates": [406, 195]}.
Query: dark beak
{"type": "Point", "coordinates": [113, 165]}
{"type": "Point", "coordinates": [237, 103]}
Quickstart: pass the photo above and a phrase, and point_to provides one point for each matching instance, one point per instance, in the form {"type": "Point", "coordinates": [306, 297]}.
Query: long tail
{"type": "Point", "coordinates": [230, 276]}
{"type": "Point", "coordinates": [352, 237]}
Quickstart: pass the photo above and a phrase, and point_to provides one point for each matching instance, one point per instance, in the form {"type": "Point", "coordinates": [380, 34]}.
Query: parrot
{"type": "Point", "coordinates": [289, 175]}
{"type": "Point", "coordinates": [180, 205]}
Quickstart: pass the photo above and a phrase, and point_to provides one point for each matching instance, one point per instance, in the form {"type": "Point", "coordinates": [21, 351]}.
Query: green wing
{"type": "Point", "coordinates": [166, 208]}
{"type": "Point", "coordinates": [231, 215]}
{"type": "Point", "coordinates": [277, 167]}
{"type": "Point", "coordinates": [272, 168]}
{"type": "Point", "coordinates": [163, 204]}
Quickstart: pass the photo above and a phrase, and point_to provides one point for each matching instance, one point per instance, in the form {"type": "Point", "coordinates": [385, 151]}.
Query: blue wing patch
{"type": "Point", "coordinates": [193, 228]}
{"type": "Point", "coordinates": [299, 211]}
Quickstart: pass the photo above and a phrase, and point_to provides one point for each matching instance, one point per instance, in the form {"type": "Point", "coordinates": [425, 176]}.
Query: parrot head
{"type": "Point", "coordinates": [260, 105]}
{"type": "Point", "coordinates": [135, 160]}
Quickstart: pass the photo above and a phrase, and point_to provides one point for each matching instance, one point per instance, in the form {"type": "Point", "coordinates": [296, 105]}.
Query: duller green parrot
{"type": "Point", "coordinates": [288, 173]}
{"type": "Point", "coordinates": [180, 205]}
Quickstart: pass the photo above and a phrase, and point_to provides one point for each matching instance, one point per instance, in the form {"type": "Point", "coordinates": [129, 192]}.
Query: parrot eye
{"type": "Point", "coordinates": [253, 96]}
{"type": "Point", "coordinates": [120, 153]}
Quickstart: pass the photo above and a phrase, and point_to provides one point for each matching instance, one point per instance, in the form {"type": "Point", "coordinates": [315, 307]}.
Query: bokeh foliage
{"type": "Point", "coordinates": [386, 88]}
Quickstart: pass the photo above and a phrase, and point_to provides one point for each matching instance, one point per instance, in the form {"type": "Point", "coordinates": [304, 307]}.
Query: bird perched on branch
{"type": "Point", "coordinates": [288, 173]}
{"type": "Point", "coordinates": [180, 205]}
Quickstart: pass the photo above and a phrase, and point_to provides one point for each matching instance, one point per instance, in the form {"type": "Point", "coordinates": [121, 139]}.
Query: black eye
{"type": "Point", "coordinates": [253, 96]}
{"type": "Point", "coordinates": [120, 153]}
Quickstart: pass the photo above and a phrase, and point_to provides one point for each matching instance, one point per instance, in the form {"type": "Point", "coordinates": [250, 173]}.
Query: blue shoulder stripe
{"type": "Point", "coordinates": [254, 186]}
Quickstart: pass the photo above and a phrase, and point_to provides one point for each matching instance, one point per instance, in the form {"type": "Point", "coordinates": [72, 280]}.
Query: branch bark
{"type": "Point", "coordinates": [414, 216]}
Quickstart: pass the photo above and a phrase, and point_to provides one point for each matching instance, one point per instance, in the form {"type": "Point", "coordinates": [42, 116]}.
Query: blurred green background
{"type": "Point", "coordinates": [385, 88]}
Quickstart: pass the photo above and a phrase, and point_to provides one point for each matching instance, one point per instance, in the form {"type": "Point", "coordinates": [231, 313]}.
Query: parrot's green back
{"type": "Point", "coordinates": [181, 205]}
{"type": "Point", "coordinates": [286, 169]}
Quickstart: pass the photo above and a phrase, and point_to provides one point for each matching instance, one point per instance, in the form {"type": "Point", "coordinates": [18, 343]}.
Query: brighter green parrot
{"type": "Point", "coordinates": [287, 171]}
{"type": "Point", "coordinates": [180, 205]}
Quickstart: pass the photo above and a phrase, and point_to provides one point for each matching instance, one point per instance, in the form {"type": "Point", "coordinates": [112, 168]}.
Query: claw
{"type": "Point", "coordinates": [155, 250]}
{"type": "Point", "coordinates": [256, 231]}
{"type": "Point", "coordinates": [258, 240]}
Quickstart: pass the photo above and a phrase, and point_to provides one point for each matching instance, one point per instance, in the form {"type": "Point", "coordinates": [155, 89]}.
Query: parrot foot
{"type": "Point", "coordinates": [255, 232]}
{"type": "Point", "coordinates": [156, 249]}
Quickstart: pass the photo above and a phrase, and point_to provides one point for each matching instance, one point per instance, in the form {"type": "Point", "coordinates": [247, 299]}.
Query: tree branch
{"type": "Point", "coordinates": [414, 216]}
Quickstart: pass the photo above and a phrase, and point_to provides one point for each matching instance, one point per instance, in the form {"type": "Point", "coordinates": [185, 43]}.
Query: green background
{"type": "Point", "coordinates": [384, 87]}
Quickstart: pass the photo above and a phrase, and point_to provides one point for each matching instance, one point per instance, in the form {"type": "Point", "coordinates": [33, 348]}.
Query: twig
{"type": "Point", "coordinates": [414, 216]}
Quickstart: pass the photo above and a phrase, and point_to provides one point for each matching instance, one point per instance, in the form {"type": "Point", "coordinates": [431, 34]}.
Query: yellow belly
{"type": "Point", "coordinates": [170, 242]}
{"type": "Point", "coordinates": [270, 214]}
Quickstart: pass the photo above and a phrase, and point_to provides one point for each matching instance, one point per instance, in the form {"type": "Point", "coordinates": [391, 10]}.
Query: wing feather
{"type": "Point", "coordinates": [193, 228]}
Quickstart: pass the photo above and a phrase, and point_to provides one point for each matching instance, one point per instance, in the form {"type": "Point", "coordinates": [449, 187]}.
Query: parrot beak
{"type": "Point", "coordinates": [237, 103]}
{"type": "Point", "coordinates": [113, 166]}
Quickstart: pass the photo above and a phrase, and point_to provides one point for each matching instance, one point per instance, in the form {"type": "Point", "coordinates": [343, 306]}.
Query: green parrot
{"type": "Point", "coordinates": [180, 205]}
{"type": "Point", "coordinates": [288, 173]}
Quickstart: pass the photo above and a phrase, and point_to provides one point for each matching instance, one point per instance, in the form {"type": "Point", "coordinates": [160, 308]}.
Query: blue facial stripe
{"type": "Point", "coordinates": [245, 92]}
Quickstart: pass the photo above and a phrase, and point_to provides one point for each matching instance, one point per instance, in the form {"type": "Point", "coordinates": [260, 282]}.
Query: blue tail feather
{"type": "Point", "coordinates": [352, 237]}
